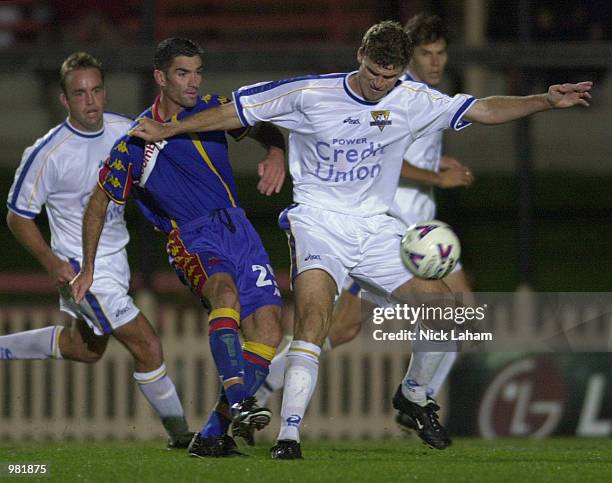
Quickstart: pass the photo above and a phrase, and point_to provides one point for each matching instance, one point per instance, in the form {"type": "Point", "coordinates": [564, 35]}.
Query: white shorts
{"type": "Point", "coordinates": [367, 249]}
{"type": "Point", "coordinates": [378, 299]}
{"type": "Point", "coordinates": [107, 305]}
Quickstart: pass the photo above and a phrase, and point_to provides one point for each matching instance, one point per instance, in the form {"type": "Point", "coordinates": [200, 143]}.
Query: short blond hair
{"type": "Point", "coordinates": [77, 61]}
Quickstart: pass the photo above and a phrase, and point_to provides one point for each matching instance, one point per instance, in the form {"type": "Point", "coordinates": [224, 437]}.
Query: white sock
{"type": "Point", "coordinates": [32, 344]}
{"type": "Point", "coordinates": [433, 388]}
{"type": "Point", "coordinates": [159, 390]}
{"type": "Point", "coordinates": [300, 382]}
{"type": "Point", "coordinates": [276, 377]}
{"type": "Point", "coordinates": [422, 367]}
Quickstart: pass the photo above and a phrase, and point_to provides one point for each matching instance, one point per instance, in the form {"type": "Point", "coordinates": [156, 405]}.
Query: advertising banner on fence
{"type": "Point", "coordinates": [531, 395]}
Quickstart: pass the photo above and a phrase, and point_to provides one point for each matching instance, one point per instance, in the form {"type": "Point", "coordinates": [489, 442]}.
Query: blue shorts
{"type": "Point", "coordinates": [224, 242]}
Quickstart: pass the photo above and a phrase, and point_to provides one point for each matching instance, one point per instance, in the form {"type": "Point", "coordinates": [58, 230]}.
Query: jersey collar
{"type": "Point", "coordinates": [84, 134]}
{"type": "Point", "coordinates": [353, 95]}
{"type": "Point", "coordinates": [155, 110]}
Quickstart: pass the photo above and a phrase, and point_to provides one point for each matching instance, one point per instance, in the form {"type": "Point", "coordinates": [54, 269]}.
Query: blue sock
{"type": "Point", "coordinates": [227, 353]}
{"type": "Point", "coordinates": [257, 357]}
{"type": "Point", "coordinates": [218, 422]}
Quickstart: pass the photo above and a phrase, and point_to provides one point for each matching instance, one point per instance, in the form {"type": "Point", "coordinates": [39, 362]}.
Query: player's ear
{"type": "Point", "coordinates": [64, 101]}
{"type": "Point", "coordinates": [160, 77]}
{"type": "Point", "coordinates": [360, 55]}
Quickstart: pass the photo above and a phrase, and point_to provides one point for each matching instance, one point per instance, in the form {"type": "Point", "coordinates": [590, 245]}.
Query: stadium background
{"type": "Point", "coordinates": [538, 217]}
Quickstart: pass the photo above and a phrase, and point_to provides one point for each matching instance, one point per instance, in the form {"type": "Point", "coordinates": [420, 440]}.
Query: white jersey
{"type": "Point", "coordinates": [415, 202]}
{"type": "Point", "coordinates": [60, 171]}
{"type": "Point", "coordinates": [345, 153]}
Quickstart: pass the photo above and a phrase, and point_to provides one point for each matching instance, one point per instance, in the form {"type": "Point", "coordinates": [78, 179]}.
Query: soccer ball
{"type": "Point", "coordinates": [430, 249]}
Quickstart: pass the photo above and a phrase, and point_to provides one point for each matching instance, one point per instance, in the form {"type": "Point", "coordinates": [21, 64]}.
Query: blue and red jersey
{"type": "Point", "coordinates": [177, 180]}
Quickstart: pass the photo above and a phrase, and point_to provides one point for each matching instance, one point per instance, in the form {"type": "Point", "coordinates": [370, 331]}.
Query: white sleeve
{"type": "Point", "coordinates": [33, 180]}
{"type": "Point", "coordinates": [436, 111]}
{"type": "Point", "coordinates": [278, 102]}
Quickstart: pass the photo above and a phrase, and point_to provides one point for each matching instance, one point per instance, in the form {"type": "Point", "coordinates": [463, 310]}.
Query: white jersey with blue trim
{"type": "Point", "coordinates": [60, 171]}
{"type": "Point", "coordinates": [415, 202]}
{"type": "Point", "coordinates": [345, 153]}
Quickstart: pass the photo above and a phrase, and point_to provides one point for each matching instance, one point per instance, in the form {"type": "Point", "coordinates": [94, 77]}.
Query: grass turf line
{"type": "Point", "coordinates": [470, 460]}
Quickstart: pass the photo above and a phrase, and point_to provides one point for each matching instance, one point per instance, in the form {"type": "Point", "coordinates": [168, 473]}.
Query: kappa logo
{"type": "Point", "coordinates": [380, 119]}
{"type": "Point", "coordinates": [350, 120]}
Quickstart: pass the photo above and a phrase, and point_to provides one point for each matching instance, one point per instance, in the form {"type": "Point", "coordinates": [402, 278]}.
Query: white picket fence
{"type": "Point", "coordinates": [58, 400]}
{"type": "Point", "coordinates": [61, 399]}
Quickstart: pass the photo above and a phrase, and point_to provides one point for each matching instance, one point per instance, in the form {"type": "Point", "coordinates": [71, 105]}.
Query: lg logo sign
{"type": "Point", "coordinates": [525, 399]}
{"type": "Point", "coordinates": [529, 397]}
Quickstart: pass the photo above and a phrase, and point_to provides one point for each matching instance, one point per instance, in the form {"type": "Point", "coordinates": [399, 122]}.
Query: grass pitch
{"type": "Point", "coordinates": [468, 460]}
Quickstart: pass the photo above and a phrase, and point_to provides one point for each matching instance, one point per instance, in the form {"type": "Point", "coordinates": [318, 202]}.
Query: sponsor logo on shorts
{"type": "Point", "coordinates": [312, 257]}
{"type": "Point", "coordinates": [122, 311]}
{"type": "Point", "coordinates": [350, 120]}
{"type": "Point", "coordinates": [5, 353]}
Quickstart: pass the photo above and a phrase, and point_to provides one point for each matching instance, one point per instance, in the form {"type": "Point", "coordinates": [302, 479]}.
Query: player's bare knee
{"type": "Point", "coordinates": [220, 292]}
{"type": "Point", "coordinates": [353, 330]}
{"type": "Point", "coordinates": [264, 326]}
{"type": "Point", "coordinates": [312, 323]}
{"type": "Point", "coordinates": [141, 340]}
{"type": "Point", "coordinates": [89, 352]}
{"type": "Point", "coordinates": [80, 344]}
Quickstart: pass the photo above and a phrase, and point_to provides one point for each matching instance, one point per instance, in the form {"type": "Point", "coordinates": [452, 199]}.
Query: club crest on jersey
{"type": "Point", "coordinates": [380, 119]}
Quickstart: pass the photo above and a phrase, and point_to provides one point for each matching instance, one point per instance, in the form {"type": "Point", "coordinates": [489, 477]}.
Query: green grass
{"type": "Point", "coordinates": [468, 460]}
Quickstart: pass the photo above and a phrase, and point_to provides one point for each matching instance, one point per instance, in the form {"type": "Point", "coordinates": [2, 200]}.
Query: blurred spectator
{"type": "Point", "coordinates": [9, 15]}
{"type": "Point", "coordinates": [555, 21]}
{"type": "Point", "coordinates": [22, 22]}
{"type": "Point", "coordinates": [552, 20]}
{"type": "Point", "coordinates": [91, 22]}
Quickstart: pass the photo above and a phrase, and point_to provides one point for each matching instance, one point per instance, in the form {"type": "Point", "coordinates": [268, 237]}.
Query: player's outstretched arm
{"type": "Point", "coordinates": [220, 118]}
{"type": "Point", "coordinates": [93, 222]}
{"type": "Point", "coordinates": [453, 176]}
{"type": "Point", "coordinates": [500, 109]}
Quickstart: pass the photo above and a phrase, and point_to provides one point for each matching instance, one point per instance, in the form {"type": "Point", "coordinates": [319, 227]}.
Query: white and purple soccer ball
{"type": "Point", "coordinates": [430, 249]}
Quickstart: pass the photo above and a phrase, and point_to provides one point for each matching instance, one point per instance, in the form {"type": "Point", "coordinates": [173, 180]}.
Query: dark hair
{"type": "Point", "coordinates": [77, 61]}
{"type": "Point", "coordinates": [169, 49]}
{"type": "Point", "coordinates": [425, 29]}
{"type": "Point", "coordinates": [387, 44]}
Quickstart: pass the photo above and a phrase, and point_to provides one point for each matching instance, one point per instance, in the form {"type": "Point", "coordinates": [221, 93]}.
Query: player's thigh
{"type": "Point", "coordinates": [314, 292]}
{"type": "Point", "coordinates": [263, 326]}
{"type": "Point", "coordinates": [320, 239]}
{"type": "Point", "coordinates": [347, 311]}
{"type": "Point", "coordinates": [220, 291]}
{"type": "Point", "coordinates": [459, 284]}
{"type": "Point", "coordinates": [257, 285]}
{"type": "Point", "coordinates": [380, 268]}
{"type": "Point", "coordinates": [418, 292]}
{"type": "Point", "coordinates": [78, 342]}
{"type": "Point", "coordinates": [203, 263]}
